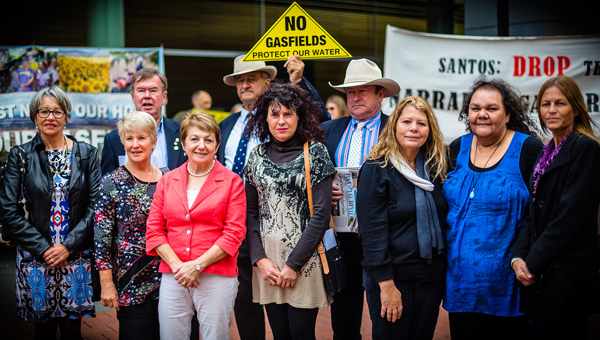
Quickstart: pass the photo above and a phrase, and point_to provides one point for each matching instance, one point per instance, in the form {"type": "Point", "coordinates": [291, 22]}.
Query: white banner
{"type": "Point", "coordinates": [441, 68]}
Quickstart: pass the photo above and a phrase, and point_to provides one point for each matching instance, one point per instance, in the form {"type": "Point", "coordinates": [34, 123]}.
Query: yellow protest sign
{"type": "Point", "coordinates": [296, 32]}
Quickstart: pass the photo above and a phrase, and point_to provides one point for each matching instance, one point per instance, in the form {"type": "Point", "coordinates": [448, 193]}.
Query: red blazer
{"type": "Point", "coordinates": [218, 216]}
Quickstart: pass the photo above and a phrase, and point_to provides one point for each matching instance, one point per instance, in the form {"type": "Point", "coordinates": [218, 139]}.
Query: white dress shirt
{"type": "Point", "coordinates": [234, 139]}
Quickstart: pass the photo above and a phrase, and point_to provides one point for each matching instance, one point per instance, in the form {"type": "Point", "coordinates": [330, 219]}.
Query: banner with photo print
{"type": "Point", "coordinates": [97, 82]}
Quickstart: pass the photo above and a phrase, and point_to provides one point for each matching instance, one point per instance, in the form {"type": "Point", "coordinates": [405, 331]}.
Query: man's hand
{"type": "Point", "coordinates": [295, 68]}
{"type": "Point", "coordinates": [336, 194]}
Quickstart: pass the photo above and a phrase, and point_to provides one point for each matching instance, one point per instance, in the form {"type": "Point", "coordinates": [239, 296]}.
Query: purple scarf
{"type": "Point", "coordinates": [549, 153]}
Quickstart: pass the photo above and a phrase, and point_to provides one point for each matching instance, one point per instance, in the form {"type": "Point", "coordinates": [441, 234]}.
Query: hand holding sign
{"type": "Point", "coordinates": [296, 33]}
{"type": "Point", "coordinates": [295, 68]}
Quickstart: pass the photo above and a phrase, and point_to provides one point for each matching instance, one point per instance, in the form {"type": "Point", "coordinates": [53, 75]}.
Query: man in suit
{"type": "Point", "coordinates": [251, 80]}
{"type": "Point", "coordinates": [349, 141]}
{"type": "Point", "coordinates": [149, 94]}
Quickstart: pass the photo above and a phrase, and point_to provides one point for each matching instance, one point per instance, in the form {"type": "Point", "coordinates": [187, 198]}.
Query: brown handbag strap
{"type": "Point", "coordinates": [308, 182]}
{"type": "Point", "coordinates": [320, 248]}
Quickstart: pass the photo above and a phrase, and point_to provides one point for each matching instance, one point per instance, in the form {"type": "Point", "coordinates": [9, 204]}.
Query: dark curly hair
{"type": "Point", "coordinates": [513, 103]}
{"type": "Point", "coordinates": [295, 99]}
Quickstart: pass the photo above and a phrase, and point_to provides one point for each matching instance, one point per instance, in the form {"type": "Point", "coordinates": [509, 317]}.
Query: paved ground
{"type": "Point", "coordinates": [105, 325]}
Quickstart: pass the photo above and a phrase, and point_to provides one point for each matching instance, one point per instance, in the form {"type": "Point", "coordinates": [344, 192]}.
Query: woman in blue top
{"type": "Point", "coordinates": [487, 193]}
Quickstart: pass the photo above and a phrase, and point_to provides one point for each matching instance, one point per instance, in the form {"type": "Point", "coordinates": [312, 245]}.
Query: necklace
{"type": "Point", "coordinates": [472, 194]}
{"type": "Point", "coordinates": [60, 158]}
{"type": "Point", "coordinates": [144, 187]}
{"type": "Point", "coordinates": [202, 174]}
{"type": "Point", "coordinates": [65, 166]}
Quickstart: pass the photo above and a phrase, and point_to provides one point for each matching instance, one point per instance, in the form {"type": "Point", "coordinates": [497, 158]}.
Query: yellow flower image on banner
{"type": "Point", "coordinates": [84, 74]}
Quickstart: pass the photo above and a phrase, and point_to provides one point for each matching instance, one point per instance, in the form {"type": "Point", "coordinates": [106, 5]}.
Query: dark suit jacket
{"type": "Point", "coordinates": [113, 148]}
{"type": "Point", "coordinates": [558, 239]}
{"type": "Point", "coordinates": [227, 124]}
{"type": "Point", "coordinates": [334, 130]}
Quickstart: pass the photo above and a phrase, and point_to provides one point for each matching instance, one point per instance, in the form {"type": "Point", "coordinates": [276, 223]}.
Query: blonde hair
{"type": "Point", "coordinates": [203, 121]}
{"type": "Point", "coordinates": [135, 122]}
{"type": "Point", "coordinates": [582, 122]}
{"type": "Point", "coordinates": [340, 103]}
{"type": "Point", "coordinates": [435, 150]}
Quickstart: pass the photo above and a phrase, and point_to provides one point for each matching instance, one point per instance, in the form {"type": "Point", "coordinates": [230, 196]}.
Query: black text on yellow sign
{"type": "Point", "coordinates": [296, 33]}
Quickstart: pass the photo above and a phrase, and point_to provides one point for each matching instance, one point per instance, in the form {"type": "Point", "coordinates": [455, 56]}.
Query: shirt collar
{"type": "Point", "coordinates": [244, 114]}
{"type": "Point", "coordinates": [369, 124]}
{"type": "Point", "coordinates": [161, 127]}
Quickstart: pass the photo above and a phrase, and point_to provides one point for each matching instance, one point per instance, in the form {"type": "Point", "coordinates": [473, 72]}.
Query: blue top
{"type": "Point", "coordinates": [482, 231]}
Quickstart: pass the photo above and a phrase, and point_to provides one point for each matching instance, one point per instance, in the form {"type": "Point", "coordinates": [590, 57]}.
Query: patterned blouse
{"type": "Point", "coordinates": [120, 236]}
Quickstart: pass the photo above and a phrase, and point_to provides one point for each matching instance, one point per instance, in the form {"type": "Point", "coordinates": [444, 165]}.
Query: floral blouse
{"type": "Point", "coordinates": [121, 211]}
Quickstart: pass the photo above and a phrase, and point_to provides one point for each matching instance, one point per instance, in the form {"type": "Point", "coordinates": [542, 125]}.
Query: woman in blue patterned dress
{"type": "Point", "coordinates": [128, 276]}
{"type": "Point", "coordinates": [59, 179]}
{"type": "Point", "coordinates": [487, 192]}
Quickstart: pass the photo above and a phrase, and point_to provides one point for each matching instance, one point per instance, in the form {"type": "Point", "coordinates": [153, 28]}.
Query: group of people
{"type": "Point", "coordinates": [181, 224]}
{"type": "Point", "coordinates": [30, 75]}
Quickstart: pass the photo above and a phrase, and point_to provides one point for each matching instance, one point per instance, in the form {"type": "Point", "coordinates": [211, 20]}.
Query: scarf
{"type": "Point", "coordinates": [547, 158]}
{"type": "Point", "coordinates": [429, 231]}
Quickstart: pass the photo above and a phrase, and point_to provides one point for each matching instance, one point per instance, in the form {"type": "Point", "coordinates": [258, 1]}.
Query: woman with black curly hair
{"type": "Point", "coordinates": [487, 192]}
{"type": "Point", "coordinates": [282, 235]}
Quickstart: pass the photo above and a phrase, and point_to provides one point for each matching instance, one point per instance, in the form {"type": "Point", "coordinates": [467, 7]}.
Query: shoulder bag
{"type": "Point", "coordinates": [332, 259]}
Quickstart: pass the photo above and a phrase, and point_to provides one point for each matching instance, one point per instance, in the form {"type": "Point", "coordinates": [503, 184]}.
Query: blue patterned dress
{"type": "Point", "coordinates": [43, 292]}
{"type": "Point", "coordinates": [482, 231]}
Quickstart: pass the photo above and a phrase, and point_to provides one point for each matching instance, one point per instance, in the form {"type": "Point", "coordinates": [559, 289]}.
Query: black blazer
{"type": "Point", "coordinates": [558, 240]}
{"type": "Point", "coordinates": [227, 124]}
{"type": "Point", "coordinates": [113, 148]}
{"type": "Point", "coordinates": [334, 130]}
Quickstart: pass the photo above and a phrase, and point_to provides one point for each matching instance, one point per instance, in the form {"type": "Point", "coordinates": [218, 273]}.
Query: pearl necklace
{"type": "Point", "coordinates": [202, 174]}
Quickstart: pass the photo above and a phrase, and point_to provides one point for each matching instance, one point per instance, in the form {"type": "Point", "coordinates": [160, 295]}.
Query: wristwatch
{"type": "Point", "coordinates": [197, 266]}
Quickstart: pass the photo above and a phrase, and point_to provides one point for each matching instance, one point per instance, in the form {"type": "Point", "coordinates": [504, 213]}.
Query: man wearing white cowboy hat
{"type": "Point", "coordinates": [349, 141]}
{"type": "Point", "coordinates": [251, 80]}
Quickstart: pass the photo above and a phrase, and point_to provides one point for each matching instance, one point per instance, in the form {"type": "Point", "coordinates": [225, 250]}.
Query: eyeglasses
{"type": "Point", "coordinates": [58, 114]}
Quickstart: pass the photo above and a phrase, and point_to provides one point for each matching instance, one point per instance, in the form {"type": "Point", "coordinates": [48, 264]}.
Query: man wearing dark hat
{"type": "Point", "coordinates": [251, 80]}
{"type": "Point", "coordinates": [349, 141]}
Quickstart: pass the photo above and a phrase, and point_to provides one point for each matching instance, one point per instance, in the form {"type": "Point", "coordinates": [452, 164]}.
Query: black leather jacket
{"type": "Point", "coordinates": [33, 234]}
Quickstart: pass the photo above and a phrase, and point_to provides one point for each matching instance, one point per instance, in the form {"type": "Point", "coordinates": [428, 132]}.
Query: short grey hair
{"type": "Point", "coordinates": [55, 92]}
{"type": "Point", "coordinates": [137, 122]}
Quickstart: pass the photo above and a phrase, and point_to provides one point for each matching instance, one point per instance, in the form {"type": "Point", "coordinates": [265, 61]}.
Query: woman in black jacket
{"type": "Point", "coordinates": [402, 217]}
{"type": "Point", "coordinates": [556, 254]}
{"type": "Point", "coordinates": [57, 178]}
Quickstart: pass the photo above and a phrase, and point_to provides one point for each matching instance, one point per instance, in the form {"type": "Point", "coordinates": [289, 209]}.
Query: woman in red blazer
{"type": "Point", "coordinates": [196, 225]}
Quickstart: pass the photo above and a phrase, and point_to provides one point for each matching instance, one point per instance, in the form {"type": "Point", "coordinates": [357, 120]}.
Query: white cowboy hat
{"type": "Point", "coordinates": [365, 72]}
{"type": "Point", "coordinates": [240, 67]}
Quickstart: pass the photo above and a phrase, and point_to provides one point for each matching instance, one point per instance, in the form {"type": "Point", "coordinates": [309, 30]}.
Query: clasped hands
{"type": "Point", "coordinates": [56, 256]}
{"type": "Point", "coordinates": [186, 274]}
{"type": "Point", "coordinates": [285, 278]}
